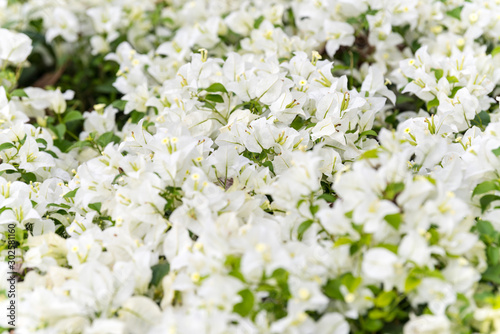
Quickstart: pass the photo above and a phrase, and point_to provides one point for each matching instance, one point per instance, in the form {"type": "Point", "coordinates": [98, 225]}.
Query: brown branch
{"type": "Point", "coordinates": [50, 79]}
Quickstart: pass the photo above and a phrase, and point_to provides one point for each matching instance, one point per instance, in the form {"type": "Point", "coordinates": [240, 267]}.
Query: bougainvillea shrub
{"type": "Point", "coordinates": [245, 167]}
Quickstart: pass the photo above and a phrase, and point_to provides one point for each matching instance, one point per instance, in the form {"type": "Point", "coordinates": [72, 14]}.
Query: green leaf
{"type": "Point", "coordinates": [269, 164]}
{"type": "Point", "coordinates": [71, 194]}
{"type": "Point", "coordinates": [373, 325]}
{"type": "Point", "coordinates": [342, 241]}
{"type": "Point", "coordinates": [6, 146]}
{"type": "Point", "coordinates": [355, 247]}
{"type": "Point", "coordinates": [314, 209]}
{"type": "Point", "coordinates": [404, 99]}
{"type": "Point", "coordinates": [332, 289]}
{"type": "Point", "coordinates": [136, 116]}
{"type": "Point", "coordinates": [487, 297]}
{"type": "Point", "coordinates": [495, 51]}
{"type": "Point", "coordinates": [237, 274]}
{"type": "Point", "coordinates": [486, 200]}
{"type": "Point", "coordinates": [52, 153]}
{"type": "Point", "coordinates": [72, 116]}
{"type": "Point", "coordinates": [62, 205]}
{"type": "Point", "coordinates": [159, 271]}
{"type": "Point", "coordinates": [168, 20]}
{"type": "Point", "coordinates": [19, 92]}
{"type": "Point", "coordinates": [233, 262]}
{"type": "Point", "coordinates": [63, 144]}
{"type": "Point", "coordinates": [485, 187]}
{"type": "Point", "coordinates": [105, 89]}
{"type": "Point", "coordinates": [340, 67]}
{"type": "Point", "coordinates": [485, 227]}
{"type": "Point", "coordinates": [493, 254]}
{"type": "Point", "coordinates": [377, 314]}
{"type": "Point", "coordinates": [390, 247]}
{"type": "Point", "coordinates": [438, 73]}
{"type": "Point", "coordinates": [351, 282]}
{"type": "Point", "coordinates": [365, 239]}
{"type": "Point", "coordinates": [452, 79]}
{"type": "Point", "coordinates": [60, 130]}
{"type": "Point", "coordinates": [434, 236]}
{"type": "Point", "coordinates": [392, 190]}
{"type": "Point", "coordinates": [455, 90]}
{"type": "Point", "coordinates": [281, 276]}
{"type": "Point", "coordinates": [433, 103]}
{"type": "Point", "coordinates": [244, 307]}
{"type": "Point", "coordinates": [370, 154]}
{"type": "Point", "coordinates": [303, 228]}
{"type": "Point", "coordinates": [492, 274]}
{"type": "Point", "coordinates": [328, 197]}
{"type": "Point", "coordinates": [455, 13]}
{"type": "Point", "coordinates": [368, 133]}
{"type": "Point", "coordinates": [297, 123]}
{"type": "Point", "coordinates": [394, 220]}
{"type": "Point", "coordinates": [257, 22]}
{"type": "Point", "coordinates": [119, 104]}
{"type": "Point", "coordinates": [42, 141]}
{"type": "Point", "coordinates": [28, 177]}
{"type": "Point", "coordinates": [95, 206]}
{"type": "Point", "coordinates": [385, 298]}
{"type": "Point", "coordinates": [216, 87]}
{"type": "Point", "coordinates": [107, 138]}
{"type": "Point", "coordinates": [214, 98]}
{"type": "Point", "coordinates": [481, 119]}
{"type": "Point", "coordinates": [79, 144]}
{"type": "Point", "coordinates": [411, 282]}
{"type": "Point", "coordinates": [496, 151]}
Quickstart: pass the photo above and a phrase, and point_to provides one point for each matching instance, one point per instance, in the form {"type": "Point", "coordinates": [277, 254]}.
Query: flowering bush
{"type": "Point", "coordinates": [250, 166]}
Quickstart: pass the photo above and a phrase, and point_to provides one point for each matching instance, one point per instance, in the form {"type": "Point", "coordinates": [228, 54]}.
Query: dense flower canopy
{"type": "Point", "coordinates": [302, 166]}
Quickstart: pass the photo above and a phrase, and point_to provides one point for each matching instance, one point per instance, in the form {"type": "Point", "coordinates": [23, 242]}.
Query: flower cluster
{"type": "Point", "coordinates": [250, 166]}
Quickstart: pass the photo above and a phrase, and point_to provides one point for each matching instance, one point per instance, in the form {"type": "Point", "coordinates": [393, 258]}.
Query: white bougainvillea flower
{"type": "Point", "coordinates": [14, 47]}
{"type": "Point", "coordinates": [62, 22]}
{"type": "Point", "coordinates": [428, 324]}
{"type": "Point", "coordinates": [266, 167]}
{"type": "Point", "coordinates": [379, 264]}
{"type": "Point", "coordinates": [337, 34]}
